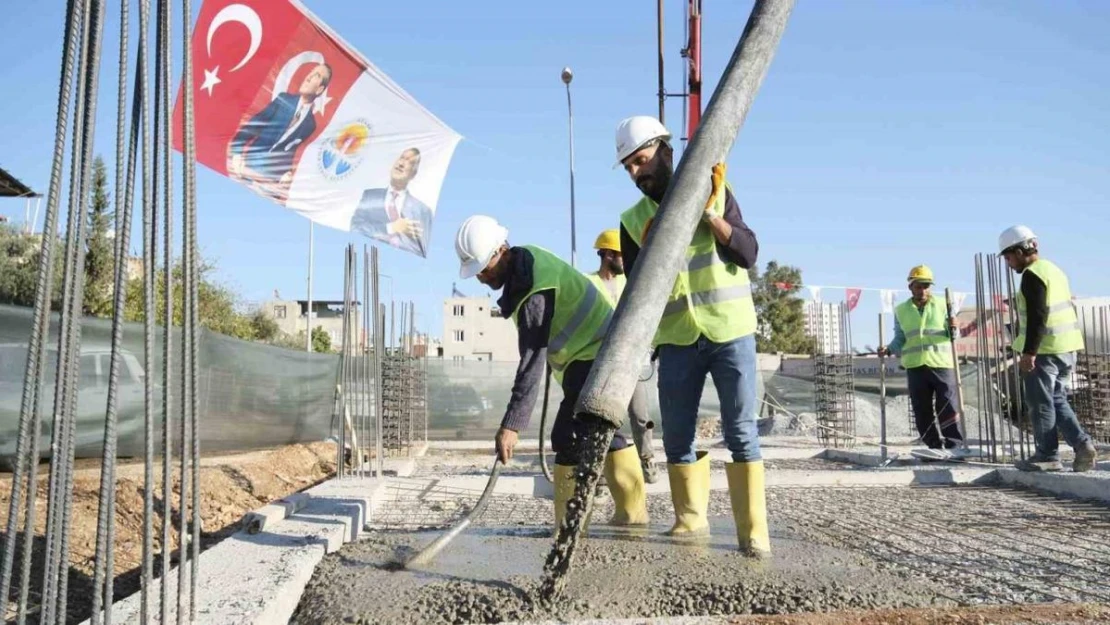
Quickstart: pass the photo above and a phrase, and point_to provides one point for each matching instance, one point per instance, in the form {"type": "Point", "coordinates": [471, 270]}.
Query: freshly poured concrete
{"type": "Point", "coordinates": [490, 575]}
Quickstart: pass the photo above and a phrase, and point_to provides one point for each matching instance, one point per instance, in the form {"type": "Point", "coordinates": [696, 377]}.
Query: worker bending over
{"type": "Point", "coordinates": [609, 278]}
{"type": "Point", "coordinates": [708, 327]}
{"type": "Point", "coordinates": [561, 318]}
{"type": "Point", "coordinates": [923, 334]}
{"type": "Point", "coordinates": [1046, 342]}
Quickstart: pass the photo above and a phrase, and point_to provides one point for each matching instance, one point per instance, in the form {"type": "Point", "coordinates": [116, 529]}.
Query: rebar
{"type": "Point", "coordinates": [27, 443]}
{"type": "Point", "coordinates": [834, 379]}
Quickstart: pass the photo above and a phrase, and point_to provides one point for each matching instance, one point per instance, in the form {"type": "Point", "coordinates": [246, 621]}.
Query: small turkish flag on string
{"type": "Point", "coordinates": [784, 286]}
{"type": "Point", "coordinates": [852, 297]}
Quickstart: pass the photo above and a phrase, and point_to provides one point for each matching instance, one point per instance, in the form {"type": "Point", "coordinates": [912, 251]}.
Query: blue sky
{"type": "Point", "coordinates": [887, 134]}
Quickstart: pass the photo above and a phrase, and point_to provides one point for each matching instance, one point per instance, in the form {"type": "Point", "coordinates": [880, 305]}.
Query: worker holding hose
{"type": "Point", "coordinates": [923, 332]}
{"type": "Point", "coordinates": [609, 279]}
{"type": "Point", "coordinates": [561, 319]}
{"type": "Point", "coordinates": [708, 328]}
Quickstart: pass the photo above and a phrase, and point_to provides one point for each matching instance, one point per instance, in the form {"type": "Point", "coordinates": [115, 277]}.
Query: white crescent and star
{"type": "Point", "coordinates": [241, 14]}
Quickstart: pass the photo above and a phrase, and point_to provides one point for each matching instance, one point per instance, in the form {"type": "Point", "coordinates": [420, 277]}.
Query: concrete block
{"type": "Point", "coordinates": [258, 520]}
{"type": "Point", "coordinates": [1093, 485]}
{"type": "Point", "coordinates": [257, 578]}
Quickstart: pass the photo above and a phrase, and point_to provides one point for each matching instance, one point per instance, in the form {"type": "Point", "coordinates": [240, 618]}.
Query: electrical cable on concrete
{"type": "Point", "coordinates": [27, 443]}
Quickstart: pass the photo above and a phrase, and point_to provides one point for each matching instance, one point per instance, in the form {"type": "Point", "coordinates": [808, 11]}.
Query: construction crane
{"type": "Point", "coordinates": [691, 113]}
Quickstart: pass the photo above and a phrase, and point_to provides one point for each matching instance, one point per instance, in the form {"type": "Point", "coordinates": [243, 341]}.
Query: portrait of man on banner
{"type": "Point", "coordinates": [393, 214]}
{"type": "Point", "coordinates": [263, 151]}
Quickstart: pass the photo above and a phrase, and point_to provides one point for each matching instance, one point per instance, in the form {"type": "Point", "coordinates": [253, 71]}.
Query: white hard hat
{"type": "Point", "coordinates": [478, 239]}
{"type": "Point", "coordinates": [634, 132]}
{"type": "Point", "coordinates": [1014, 235]}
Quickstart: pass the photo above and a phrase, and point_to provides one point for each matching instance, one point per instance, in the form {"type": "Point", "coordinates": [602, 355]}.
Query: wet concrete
{"type": "Point", "coordinates": [490, 575]}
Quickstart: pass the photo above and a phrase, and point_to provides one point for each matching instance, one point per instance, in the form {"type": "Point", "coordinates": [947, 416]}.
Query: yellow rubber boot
{"type": "Point", "coordinates": [690, 496]}
{"type": "Point", "coordinates": [748, 493]}
{"type": "Point", "coordinates": [564, 490]}
{"type": "Point", "coordinates": [626, 483]}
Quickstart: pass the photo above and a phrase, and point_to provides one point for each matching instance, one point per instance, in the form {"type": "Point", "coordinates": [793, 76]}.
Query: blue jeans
{"type": "Point", "coordinates": [1046, 401]}
{"type": "Point", "coordinates": [682, 371]}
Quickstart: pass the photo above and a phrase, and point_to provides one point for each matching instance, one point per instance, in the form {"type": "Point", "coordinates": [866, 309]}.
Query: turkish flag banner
{"type": "Point", "coordinates": [852, 297]}
{"type": "Point", "coordinates": [287, 108]}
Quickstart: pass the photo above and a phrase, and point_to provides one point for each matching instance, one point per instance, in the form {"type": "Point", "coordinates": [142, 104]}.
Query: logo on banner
{"type": "Point", "coordinates": [341, 152]}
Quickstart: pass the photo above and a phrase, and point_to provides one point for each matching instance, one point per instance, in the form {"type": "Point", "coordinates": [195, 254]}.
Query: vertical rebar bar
{"type": "Point", "coordinates": [164, 139]}
{"type": "Point", "coordinates": [150, 257]}
{"type": "Point", "coordinates": [30, 424]}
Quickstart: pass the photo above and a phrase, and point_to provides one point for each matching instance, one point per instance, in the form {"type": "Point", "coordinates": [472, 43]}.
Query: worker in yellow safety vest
{"type": "Point", "coordinates": [561, 319]}
{"type": "Point", "coordinates": [708, 328]}
{"type": "Point", "coordinates": [609, 279]}
{"type": "Point", "coordinates": [1047, 339]}
{"type": "Point", "coordinates": [923, 334]}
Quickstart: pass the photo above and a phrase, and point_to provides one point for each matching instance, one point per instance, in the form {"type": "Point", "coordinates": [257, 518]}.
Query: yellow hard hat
{"type": "Point", "coordinates": [920, 273]}
{"type": "Point", "coordinates": [609, 240]}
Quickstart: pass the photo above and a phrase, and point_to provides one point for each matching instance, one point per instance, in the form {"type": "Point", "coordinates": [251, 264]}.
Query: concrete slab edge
{"type": "Point", "coordinates": [1094, 485]}
{"type": "Point", "coordinates": [258, 578]}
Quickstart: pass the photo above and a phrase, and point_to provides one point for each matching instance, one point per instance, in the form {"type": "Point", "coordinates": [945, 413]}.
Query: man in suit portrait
{"type": "Point", "coordinates": [264, 147]}
{"type": "Point", "coordinates": [393, 215]}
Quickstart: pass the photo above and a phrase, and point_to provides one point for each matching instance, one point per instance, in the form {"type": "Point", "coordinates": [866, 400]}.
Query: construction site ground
{"type": "Point", "coordinates": [852, 544]}
{"type": "Point", "coordinates": [232, 485]}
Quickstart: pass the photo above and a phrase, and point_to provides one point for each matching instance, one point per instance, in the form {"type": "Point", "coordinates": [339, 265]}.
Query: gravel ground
{"type": "Point", "coordinates": [489, 576]}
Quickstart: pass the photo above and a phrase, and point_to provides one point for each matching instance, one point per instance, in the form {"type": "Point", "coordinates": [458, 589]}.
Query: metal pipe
{"type": "Point", "coordinates": [568, 76]}
{"type": "Point", "coordinates": [611, 382]}
{"type": "Point", "coordinates": [662, 93]}
{"type": "Point", "coordinates": [956, 364]}
{"type": "Point", "coordinates": [694, 84]}
{"type": "Point", "coordinates": [432, 550]}
{"type": "Point", "coordinates": [308, 308]}
{"type": "Point", "coordinates": [882, 392]}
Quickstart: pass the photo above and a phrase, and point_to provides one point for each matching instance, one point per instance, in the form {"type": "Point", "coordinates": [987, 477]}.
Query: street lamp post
{"type": "Point", "coordinates": [567, 77]}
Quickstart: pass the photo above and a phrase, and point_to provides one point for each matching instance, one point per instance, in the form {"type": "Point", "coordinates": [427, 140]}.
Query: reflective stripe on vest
{"type": "Point", "coordinates": [1062, 333]}
{"type": "Point", "coordinates": [710, 297]}
{"type": "Point", "coordinates": [927, 340]}
{"type": "Point", "coordinates": [581, 316]}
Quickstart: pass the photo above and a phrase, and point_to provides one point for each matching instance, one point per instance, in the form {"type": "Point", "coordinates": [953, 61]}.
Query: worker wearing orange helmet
{"type": "Point", "coordinates": [609, 279]}
{"type": "Point", "coordinates": [923, 333]}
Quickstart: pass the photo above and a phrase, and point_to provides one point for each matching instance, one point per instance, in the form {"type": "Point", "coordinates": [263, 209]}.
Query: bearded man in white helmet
{"type": "Point", "coordinates": [1045, 343]}
{"type": "Point", "coordinates": [561, 319]}
{"type": "Point", "coordinates": [708, 328]}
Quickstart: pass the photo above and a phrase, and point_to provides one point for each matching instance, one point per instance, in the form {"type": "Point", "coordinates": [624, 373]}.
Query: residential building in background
{"type": "Point", "coordinates": [473, 329]}
{"type": "Point", "coordinates": [291, 317]}
{"type": "Point", "coordinates": [822, 322]}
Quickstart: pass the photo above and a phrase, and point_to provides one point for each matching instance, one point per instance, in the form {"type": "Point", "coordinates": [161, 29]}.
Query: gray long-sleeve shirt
{"type": "Point", "coordinates": [533, 330]}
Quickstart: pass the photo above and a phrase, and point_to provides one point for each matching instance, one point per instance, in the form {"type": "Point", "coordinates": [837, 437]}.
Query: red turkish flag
{"type": "Point", "coordinates": [287, 108]}
{"type": "Point", "coordinates": [852, 297]}
{"type": "Point", "coordinates": [260, 99]}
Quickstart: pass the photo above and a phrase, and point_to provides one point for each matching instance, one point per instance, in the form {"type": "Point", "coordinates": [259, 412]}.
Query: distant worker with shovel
{"type": "Point", "coordinates": [609, 279]}
{"type": "Point", "coordinates": [923, 333]}
{"type": "Point", "coordinates": [708, 328]}
{"type": "Point", "coordinates": [561, 318]}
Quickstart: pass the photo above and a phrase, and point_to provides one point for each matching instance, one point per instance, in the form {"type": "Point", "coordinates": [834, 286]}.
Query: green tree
{"type": "Point", "coordinates": [263, 327]}
{"type": "Point", "coordinates": [780, 310]}
{"type": "Point", "coordinates": [99, 250]}
{"type": "Point", "coordinates": [20, 256]}
{"type": "Point", "coordinates": [321, 341]}
{"type": "Point", "coordinates": [216, 304]}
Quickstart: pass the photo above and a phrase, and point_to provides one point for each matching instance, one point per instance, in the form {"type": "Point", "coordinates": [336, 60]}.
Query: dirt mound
{"type": "Point", "coordinates": [231, 486]}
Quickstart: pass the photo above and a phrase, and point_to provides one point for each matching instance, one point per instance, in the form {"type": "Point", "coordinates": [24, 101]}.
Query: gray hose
{"type": "Point", "coordinates": [432, 550]}
{"type": "Point", "coordinates": [543, 427]}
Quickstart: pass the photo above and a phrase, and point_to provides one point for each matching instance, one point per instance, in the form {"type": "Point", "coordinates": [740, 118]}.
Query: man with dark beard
{"type": "Point", "coordinates": [708, 328]}
{"type": "Point", "coordinates": [610, 280]}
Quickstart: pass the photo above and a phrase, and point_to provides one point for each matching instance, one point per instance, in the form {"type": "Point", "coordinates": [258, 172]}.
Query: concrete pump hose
{"type": "Point", "coordinates": [543, 428]}
{"type": "Point", "coordinates": [427, 554]}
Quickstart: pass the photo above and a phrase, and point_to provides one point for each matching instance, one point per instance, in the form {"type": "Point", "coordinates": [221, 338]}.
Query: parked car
{"type": "Point", "coordinates": [94, 365]}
